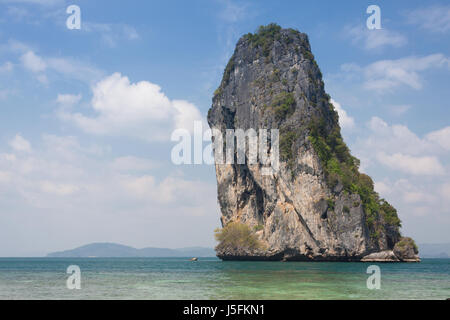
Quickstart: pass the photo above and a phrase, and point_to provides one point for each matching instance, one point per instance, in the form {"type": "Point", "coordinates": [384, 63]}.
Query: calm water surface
{"type": "Point", "coordinates": [210, 278]}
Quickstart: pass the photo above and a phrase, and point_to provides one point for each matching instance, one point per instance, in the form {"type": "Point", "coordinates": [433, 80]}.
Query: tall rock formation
{"type": "Point", "coordinates": [317, 206]}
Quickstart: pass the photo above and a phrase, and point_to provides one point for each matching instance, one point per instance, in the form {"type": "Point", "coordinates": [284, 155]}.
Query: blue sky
{"type": "Point", "coordinates": [86, 114]}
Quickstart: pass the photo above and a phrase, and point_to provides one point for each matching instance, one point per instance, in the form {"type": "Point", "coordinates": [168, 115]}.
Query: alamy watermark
{"type": "Point", "coordinates": [374, 281]}
{"type": "Point", "coordinates": [239, 146]}
{"type": "Point", "coordinates": [74, 20]}
{"type": "Point", "coordinates": [74, 280]}
{"type": "Point", "coordinates": [374, 20]}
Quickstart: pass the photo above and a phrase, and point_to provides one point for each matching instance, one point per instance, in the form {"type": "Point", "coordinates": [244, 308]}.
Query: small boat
{"type": "Point", "coordinates": [194, 259]}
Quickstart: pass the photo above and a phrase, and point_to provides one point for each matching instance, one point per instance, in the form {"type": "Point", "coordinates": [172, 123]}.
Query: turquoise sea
{"type": "Point", "coordinates": [210, 278]}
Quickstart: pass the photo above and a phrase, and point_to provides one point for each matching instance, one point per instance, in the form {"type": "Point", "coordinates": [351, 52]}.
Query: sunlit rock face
{"type": "Point", "coordinates": [304, 210]}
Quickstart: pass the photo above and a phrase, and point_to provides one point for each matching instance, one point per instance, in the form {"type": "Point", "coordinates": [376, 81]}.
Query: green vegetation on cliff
{"type": "Point", "coordinates": [283, 105]}
{"type": "Point", "coordinates": [405, 243]}
{"type": "Point", "coordinates": [236, 235]}
{"type": "Point", "coordinates": [340, 167]}
{"type": "Point", "coordinates": [406, 248]}
{"type": "Point", "coordinates": [273, 82]}
{"type": "Point", "coordinates": [264, 37]}
{"type": "Point", "coordinates": [287, 138]}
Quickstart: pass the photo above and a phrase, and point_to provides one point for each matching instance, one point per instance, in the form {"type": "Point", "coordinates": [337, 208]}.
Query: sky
{"type": "Point", "coordinates": [86, 114]}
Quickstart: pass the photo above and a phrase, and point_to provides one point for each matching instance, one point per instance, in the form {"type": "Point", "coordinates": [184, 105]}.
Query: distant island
{"type": "Point", "coordinates": [114, 250]}
{"type": "Point", "coordinates": [435, 250]}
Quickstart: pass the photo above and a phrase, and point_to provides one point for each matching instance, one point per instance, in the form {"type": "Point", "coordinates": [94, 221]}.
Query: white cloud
{"type": "Point", "coordinates": [17, 13]}
{"type": "Point", "coordinates": [5, 177]}
{"type": "Point", "coordinates": [233, 12]}
{"type": "Point", "coordinates": [382, 187]}
{"type": "Point", "coordinates": [5, 93]}
{"type": "Point", "coordinates": [67, 190]}
{"type": "Point", "coordinates": [345, 121]}
{"type": "Point", "coordinates": [398, 110]}
{"type": "Point", "coordinates": [68, 100]}
{"type": "Point", "coordinates": [132, 164]}
{"type": "Point", "coordinates": [185, 115]}
{"type": "Point", "coordinates": [38, 2]}
{"type": "Point", "coordinates": [418, 197]}
{"type": "Point", "coordinates": [391, 139]}
{"type": "Point", "coordinates": [398, 148]}
{"type": "Point", "coordinates": [410, 170]}
{"type": "Point", "coordinates": [426, 165]}
{"type": "Point", "coordinates": [170, 190]}
{"type": "Point", "coordinates": [445, 192]}
{"type": "Point", "coordinates": [58, 189]}
{"type": "Point", "coordinates": [61, 166]}
{"type": "Point", "coordinates": [68, 147]}
{"type": "Point", "coordinates": [42, 78]}
{"type": "Point", "coordinates": [374, 39]}
{"type": "Point", "coordinates": [435, 18]}
{"type": "Point", "coordinates": [20, 144]}
{"type": "Point", "coordinates": [67, 67]}
{"type": "Point", "coordinates": [386, 75]}
{"type": "Point", "coordinates": [6, 67]}
{"type": "Point", "coordinates": [15, 46]}
{"type": "Point", "coordinates": [441, 137]}
{"type": "Point", "coordinates": [74, 69]}
{"type": "Point", "coordinates": [111, 33]}
{"type": "Point", "coordinates": [33, 62]}
{"type": "Point", "coordinates": [139, 110]}
{"type": "Point", "coordinates": [130, 32]}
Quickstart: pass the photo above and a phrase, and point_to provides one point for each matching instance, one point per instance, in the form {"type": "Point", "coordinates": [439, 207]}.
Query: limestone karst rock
{"type": "Point", "coordinates": [317, 206]}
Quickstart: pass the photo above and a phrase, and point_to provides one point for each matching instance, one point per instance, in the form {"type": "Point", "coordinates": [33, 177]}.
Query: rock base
{"type": "Point", "coordinates": [382, 256]}
{"type": "Point", "coordinates": [388, 256]}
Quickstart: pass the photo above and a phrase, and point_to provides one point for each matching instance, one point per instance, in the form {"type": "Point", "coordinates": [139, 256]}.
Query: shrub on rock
{"type": "Point", "coordinates": [236, 236]}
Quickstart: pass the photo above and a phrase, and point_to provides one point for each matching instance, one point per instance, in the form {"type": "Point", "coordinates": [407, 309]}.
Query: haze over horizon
{"type": "Point", "coordinates": [77, 168]}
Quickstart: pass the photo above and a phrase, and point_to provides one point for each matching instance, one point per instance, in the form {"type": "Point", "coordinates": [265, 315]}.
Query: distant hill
{"type": "Point", "coordinates": [434, 250]}
{"type": "Point", "coordinates": [106, 250]}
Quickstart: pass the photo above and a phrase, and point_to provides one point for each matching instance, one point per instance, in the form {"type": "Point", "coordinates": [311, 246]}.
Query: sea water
{"type": "Point", "coordinates": [211, 278]}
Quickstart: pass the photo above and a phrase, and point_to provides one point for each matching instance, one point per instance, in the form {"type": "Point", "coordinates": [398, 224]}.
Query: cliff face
{"type": "Point", "coordinates": [317, 206]}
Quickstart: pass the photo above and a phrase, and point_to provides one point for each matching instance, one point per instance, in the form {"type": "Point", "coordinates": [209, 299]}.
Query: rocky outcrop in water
{"type": "Point", "coordinates": [317, 206]}
{"type": "Point", "coordinates": [406, 250]}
